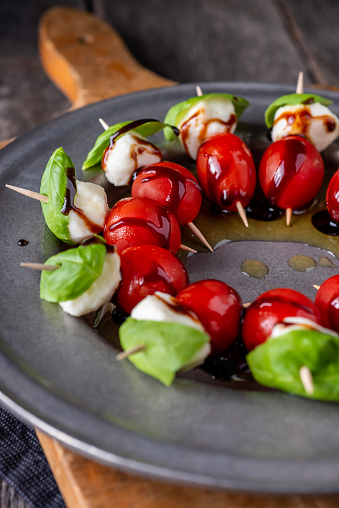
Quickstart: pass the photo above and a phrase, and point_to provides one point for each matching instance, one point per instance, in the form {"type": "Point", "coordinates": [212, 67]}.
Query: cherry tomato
{"type": "Point", "coordinates": [170, 185]}
{"type": "Point", "coordinates": [332, 197]}
{"type": "Point", "coordinates": [327, 301]}
{"type": "Point", "coordinates": [271, 308]}
{"type": "Point", "coordinates": [218, 307]}
{"type": "Point", "coordinates": [226, 171]}
{"type": "Point", "coordinates": [146, 269]}
{"type": "Point", "coordinates": [141, 221]}
{"type": "Point", "coordinates": [291, 172]}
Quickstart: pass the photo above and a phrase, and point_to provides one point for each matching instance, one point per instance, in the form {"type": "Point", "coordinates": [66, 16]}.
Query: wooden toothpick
{"type": "Point", "coordinates": [242, 213]}
{"type": "Point", "coordinates": [300, 83]}
{"type": "Point", "coordinates": [306, 379]}
{"type": "Point", "coordinates": [316, 287]}
{"type": "Point", "coordinates": [129, 352]}
{"type": "Point", "coordinates": [104, 124]}
{"type": "Point", "coordinates": [289, 212]}
{"type": "Point", "coordinates": [199, 235]}
{"type": "Point", "coordinates": [187, 249]}
{"type": "Point", "coordinates": [199, 91]}
{"type": "Point", "coordinates": [29, 193]}
{"type": "Point", "coordinates": [40, 266]}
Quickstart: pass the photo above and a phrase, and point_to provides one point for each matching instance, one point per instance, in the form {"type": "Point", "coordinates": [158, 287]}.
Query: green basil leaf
{"type": "Point", "coordinates": [292, 100]}
{"type": "Point", "coordinates": [147, 128]}
{"type": "Point", "coordinates": [277, 363]}
{"type": "Point", "coordinates": [54, 185]}
{"type": "Point", "coordinates": [168, 346]}
{"type": "Point", "coordinates": [78, 269]}
{"type": "Point", "coordinates": [178, 111]}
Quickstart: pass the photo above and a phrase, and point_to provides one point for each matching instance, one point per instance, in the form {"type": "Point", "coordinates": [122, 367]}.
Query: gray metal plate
{"type": "Point", "coordinates": [58, 375]}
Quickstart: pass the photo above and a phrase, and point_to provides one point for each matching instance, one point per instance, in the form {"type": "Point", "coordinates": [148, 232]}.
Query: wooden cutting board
{"type": "Point", "coordinates": [89, 62]}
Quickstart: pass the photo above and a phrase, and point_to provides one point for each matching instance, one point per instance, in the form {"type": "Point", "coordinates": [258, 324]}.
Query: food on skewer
{"type": "Point", "coordinates": [300, 358]}
{"type": "Point", "coordinates": [74, 211]}
{"type": "Point", "coordinates": [303, 114]}
{"type": "Point", "coordinates": [327, 301]}
{"type": "Point", "coordinates": [85, 278]}
{"type": "Point", "coordinates": [291, 172]}
{"type": "Point", "coordinates": [218, 307]}
{"type": "Point", "coordinates": [202, 117]}
{"type": "Point", "coordinates": [332, 197]}
{"type": "Point", "coordinates": [226, 173]}
{"type": "Point", "coordinates": [272, 308]}
{"type": "Point", "coordinates": [146, 269]}
{"type": "Point", "coordinates": [164, 337]}
{"type": "Point", "coordinates": [174, 186]}
{"type": "Point", "coordinates": [141, 221]}
{"type": "Point", "coordinates": [123, 148]}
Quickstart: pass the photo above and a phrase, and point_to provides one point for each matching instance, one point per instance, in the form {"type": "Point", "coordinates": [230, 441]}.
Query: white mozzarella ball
{"type": "Point", "coordinates": [161, 307]}
{"type": "Point", "coordinates": [293, 323]}
{"type": "Point", "coordinates": [100, 292]}
{"type": "Point", "coordinates": [205, 119]}
{"type": "Point", "coordinates": [127, 154]}
{"type": "Point", "coordinates": [164, 307]}
{"type": "Point", "coordinates": [92, 200]}
{"type": "Point", "coordinates": [314, 121]}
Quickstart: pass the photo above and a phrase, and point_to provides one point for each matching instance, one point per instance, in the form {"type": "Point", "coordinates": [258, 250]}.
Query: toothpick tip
{"type": "Point", "coordinates": [289, 212]}
{"type": "Point", "coordinates": [242, 213]}
{"type": "Point", "coordinates": [104, 124]}
{"type": "Point", "coordinates": [306, 379]}
{"type": "Point", "coordinates": [199, 91]}
{"type": "Point", "coordinates": [199, 235]}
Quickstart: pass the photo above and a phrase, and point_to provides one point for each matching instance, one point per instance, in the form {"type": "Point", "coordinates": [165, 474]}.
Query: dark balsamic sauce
{"type": "Point", "coordinates": [68, 206]}
{"type": "Point", "coordinates": [97, 240]}
{"type": "Point", "coordinates": [119, 316]}
{"type": "Point", "coordinates": [185, 128]}
{"type": "Point", "coordinates": [22, 243]}
{"type": "Point", "coordinates": [262, 210]}
{"type": "Point", "coordinates": [133, 125]}
{"type": "Point", "coordinates": [301, 120]}
{"type": "Point", "coordinates": [231, 363]}
{"type": "Point", "coordinates": [324, 223]}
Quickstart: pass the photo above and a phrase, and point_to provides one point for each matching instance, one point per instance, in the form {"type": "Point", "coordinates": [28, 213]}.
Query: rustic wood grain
{"type": "Point", "coordinates": [27, 97]}
{"type": "Point", "coordinates": [208, 40]}
{"type": "Point", "coordinates": [317, 36]}
{"type": "Point", "coordinates": [84, 485]}
{"type": "Point", "coordinates": [87, 60]}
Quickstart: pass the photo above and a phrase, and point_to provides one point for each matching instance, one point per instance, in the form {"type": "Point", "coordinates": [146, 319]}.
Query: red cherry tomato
{"type": "Point", "coordinates": [226, 171]}
{"type": "Point", "coordinates": [327, 301]}
{"type": "Point", "coordinates": [271, 308]}
{"type": "Point", "coordinates": [332, 197]}
{"type": "Point", "coordinates": [141, 221]}
{"type": "Point", "coordinates": [218, 307]}
{"type": "Point", "coordinates": [170, 185]}
{"type": "Point", "coordinates": [146, 269]}
{"type": "Point", "coordinates": [291, 172]}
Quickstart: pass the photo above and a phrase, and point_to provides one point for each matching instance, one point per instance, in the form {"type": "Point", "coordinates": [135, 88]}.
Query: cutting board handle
{"type": "Point", "coordinates": [87, 59]}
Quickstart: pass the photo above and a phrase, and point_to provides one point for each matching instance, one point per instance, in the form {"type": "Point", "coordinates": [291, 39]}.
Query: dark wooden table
{"type": "Point", "coordinates": [183, 40]}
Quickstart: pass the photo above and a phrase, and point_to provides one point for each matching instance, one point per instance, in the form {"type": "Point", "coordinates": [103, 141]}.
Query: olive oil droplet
{"type": "Point", "coordinates": [254, 268]}
{"type": "Point", "coordinates": [301, 263]}
{"type": "Point", "coordinates": [325, 262]}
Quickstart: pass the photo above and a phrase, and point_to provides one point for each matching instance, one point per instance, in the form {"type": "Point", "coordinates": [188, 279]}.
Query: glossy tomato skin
{"type": "Point", "coordinates": [226, 171]}
{"type": "Point", "coordinates": [218, 307]}
{"type": "Point", "coordinates": [146, 269]}
{"type": "Point", "coordinates": [291, 172]}
{"type": "Point", "coordinates": [327, 301]}
{"type": "Point", "coordinates": [271, 308]}
{"type": "Point", "coordinates": [141, 221]}
{"type": "Point", "coordinates": [332, 197]}
{"type": "Point", "coordinates": [170, 185]}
